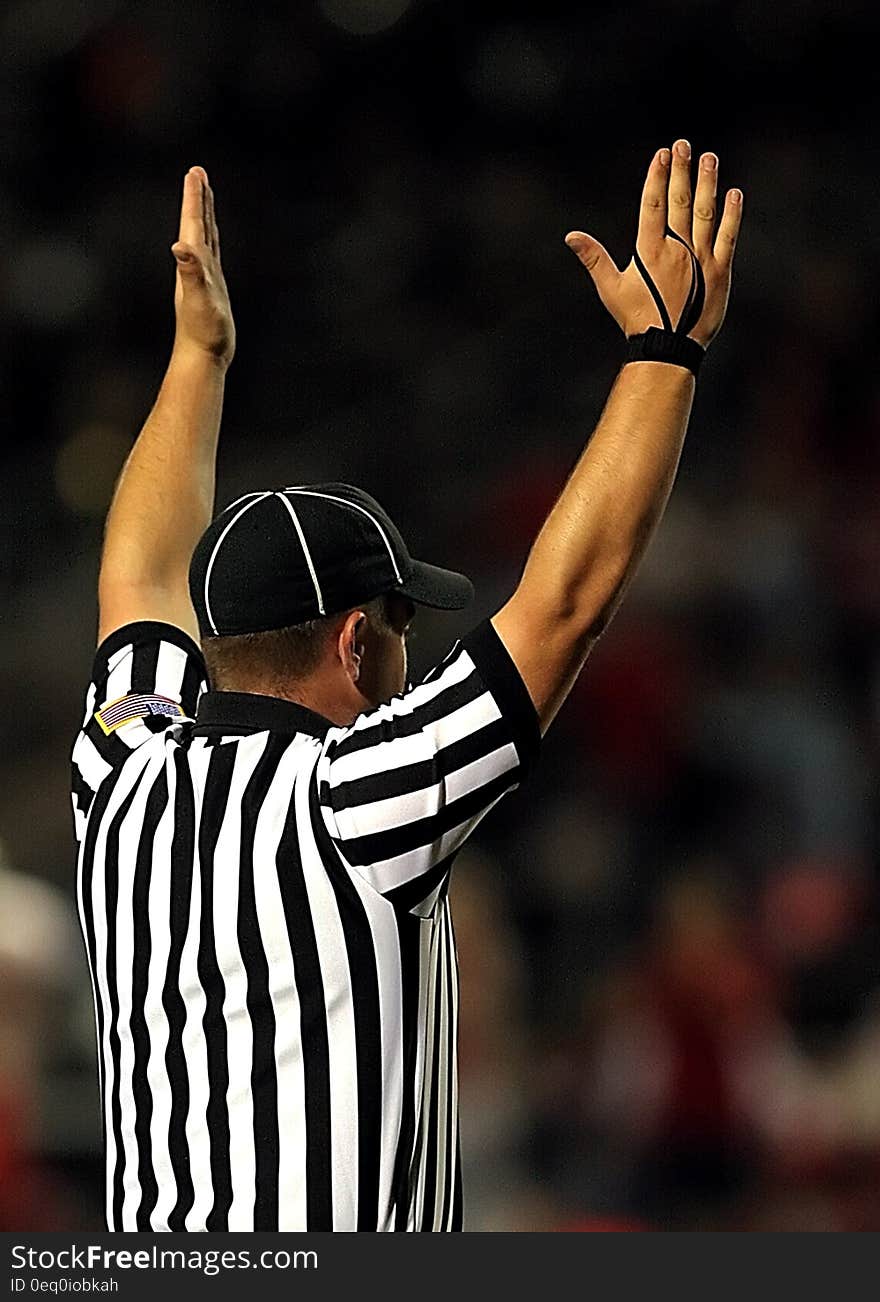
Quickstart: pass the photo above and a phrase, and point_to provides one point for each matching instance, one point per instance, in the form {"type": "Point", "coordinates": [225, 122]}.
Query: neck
{"type": "Point", "coordinates": [341, 704]}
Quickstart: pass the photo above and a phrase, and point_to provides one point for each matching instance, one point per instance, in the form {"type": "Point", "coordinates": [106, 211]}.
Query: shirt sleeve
{"type": "Point", "coordinates": [404, 786]}
{"type": "Point", "coordinates": [145, 677]}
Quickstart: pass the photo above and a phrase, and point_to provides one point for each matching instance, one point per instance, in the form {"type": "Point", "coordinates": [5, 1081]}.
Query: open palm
{"type": "Point", "coordinates": [687, 263]}
{"type": "Point", "coordinates": [201, 299]}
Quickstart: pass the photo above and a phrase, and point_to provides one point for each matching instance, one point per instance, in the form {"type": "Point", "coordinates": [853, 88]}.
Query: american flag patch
{"type": "Point", "coordinates": [116, 713]}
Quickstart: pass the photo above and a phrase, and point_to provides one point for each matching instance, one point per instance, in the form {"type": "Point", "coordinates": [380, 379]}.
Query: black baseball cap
{"type": "Point", "coordinates": [284, 556]}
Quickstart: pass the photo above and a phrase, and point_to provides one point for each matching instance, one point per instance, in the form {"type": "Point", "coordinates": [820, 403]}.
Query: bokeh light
{"type": "Point", "coordinates": [87, 466]}
{"type": "Point", "coordinates": [364, 17]}
{"type": "Point", "coordinates": [51, 283]}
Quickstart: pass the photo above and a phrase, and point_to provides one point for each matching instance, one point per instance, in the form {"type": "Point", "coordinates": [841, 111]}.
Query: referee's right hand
{"type": "Point", "coordinates": [667, 206]}
{"type": "Point", "coordinates": [201, 299]}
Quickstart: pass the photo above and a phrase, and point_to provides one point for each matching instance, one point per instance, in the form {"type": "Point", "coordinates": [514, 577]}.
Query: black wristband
{"type": "Point", "coordinates": [665, 346]}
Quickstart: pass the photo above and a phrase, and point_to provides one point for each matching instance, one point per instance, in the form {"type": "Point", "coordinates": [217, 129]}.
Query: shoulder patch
{"type": "Point", "coordinates": [115, 713]}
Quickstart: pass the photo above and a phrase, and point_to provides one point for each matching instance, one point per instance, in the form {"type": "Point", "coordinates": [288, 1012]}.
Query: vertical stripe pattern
{"type": "Point", "coordinates": [264, 905]}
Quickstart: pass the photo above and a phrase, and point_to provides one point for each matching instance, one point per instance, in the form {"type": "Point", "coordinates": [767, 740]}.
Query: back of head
{"type": "Point", "coordinates": [281, 558]}
{"type": "Point", "coordinates": [306, 593]}
{"type": "Point", "coordinates": [281, 662]}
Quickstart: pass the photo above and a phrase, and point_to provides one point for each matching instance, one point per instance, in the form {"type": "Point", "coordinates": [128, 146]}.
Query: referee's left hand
{"type": "Point", "coordinates": [201, 299]}
{"type": "Point", "coordinates": [668, 206]}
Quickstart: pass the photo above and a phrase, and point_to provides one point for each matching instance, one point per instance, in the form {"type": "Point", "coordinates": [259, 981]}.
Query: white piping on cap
{"type": "Point", "coordinates": [255, 497]}
{"type": "Point", "coordinates": [310, 492]}
{"type": "Point", "coordinates": [255, 493]}
{"type": "Point", "coordinates": [306, 552]}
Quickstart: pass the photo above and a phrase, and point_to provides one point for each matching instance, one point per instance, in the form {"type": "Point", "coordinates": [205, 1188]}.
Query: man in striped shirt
{"type": "Point", "coordinates": [264, 864]}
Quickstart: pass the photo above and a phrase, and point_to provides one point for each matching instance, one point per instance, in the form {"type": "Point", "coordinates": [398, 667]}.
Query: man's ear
{"type": "Point", "coordinates": [349, 645]}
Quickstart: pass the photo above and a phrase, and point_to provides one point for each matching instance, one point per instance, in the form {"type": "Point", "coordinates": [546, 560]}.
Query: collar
{"type": "Point", "coordinates": [250, 712]}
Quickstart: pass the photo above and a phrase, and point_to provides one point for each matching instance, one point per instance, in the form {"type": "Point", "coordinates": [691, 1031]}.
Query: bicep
{"type": "Point", "coordinates": [548, 650]}
{"type": "Point", "coordinates": [121, 602]}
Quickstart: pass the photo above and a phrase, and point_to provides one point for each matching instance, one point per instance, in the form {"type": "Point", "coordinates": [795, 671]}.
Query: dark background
{"type": "Point", "coordinates": [669, 940]}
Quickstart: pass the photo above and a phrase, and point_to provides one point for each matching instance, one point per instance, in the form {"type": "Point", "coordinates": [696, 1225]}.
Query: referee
{"type": "Point", "coordinates": [267, 816]}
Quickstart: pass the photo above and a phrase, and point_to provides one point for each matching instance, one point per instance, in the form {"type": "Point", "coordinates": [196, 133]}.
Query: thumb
{"type": "Point", "coordinates": [188, 263]}
{"type": "Point", "coordinates": [598, 262]}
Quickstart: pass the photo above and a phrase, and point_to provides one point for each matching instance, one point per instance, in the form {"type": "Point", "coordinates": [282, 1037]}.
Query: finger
{"type": "Point", "coordinates": [206, 205]}
{"type": "Point", "coordinates": [210, 219]}
{"type": "Point", "coordinates": [728, 229]}
{"type": "Point", "coordinates": [212, 234]}
{"type": "Point", "coordinates": [215, 229]}
{"type": "Point", "coordinates": [189, 264]}
{"type": "Point", "coordinates": [704, 205]}
{"type": "Point", "coordinates": [652, 214]}
{"type": "Point", "coordinates": [192, 212]}
{"type": "Point", "coordinates": [680, 190]}
{"type": "Point", "coordinates": [597, 261]}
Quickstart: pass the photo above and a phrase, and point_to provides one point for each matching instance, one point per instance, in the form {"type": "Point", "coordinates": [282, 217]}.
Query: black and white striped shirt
{"type": "Point", "coordinates": [264, 902]}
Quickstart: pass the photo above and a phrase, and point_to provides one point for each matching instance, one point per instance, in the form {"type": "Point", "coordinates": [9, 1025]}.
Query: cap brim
{"type": "Point", "coordinates": [429, 585]}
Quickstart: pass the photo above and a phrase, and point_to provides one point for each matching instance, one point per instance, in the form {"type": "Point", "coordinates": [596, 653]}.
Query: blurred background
{"type": "Point", "coordinates": [669, 939]}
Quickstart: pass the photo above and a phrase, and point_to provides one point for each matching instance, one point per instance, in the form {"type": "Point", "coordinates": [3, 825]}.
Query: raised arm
{"type": "Point", "coordinates": [165, 495]}
{"type": "Point", "coordinates": [674, 291]}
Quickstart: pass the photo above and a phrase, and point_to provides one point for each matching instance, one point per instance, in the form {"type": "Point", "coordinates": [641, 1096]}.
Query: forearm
{"type": "Point", "coordinates": [165, 495]}
{"type": "Point", "coordinates": [592, 541]}
{"type": "Point", "coordinates": [676, 287]}
{"type": "Point", "coordinates": [596, 534]}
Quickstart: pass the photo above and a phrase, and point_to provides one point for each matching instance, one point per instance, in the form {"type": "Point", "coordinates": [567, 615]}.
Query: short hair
{"type": "Point", "coordinates": [279, 657]}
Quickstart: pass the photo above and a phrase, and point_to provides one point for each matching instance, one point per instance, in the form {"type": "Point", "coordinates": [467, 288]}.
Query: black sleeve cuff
{"type": "Point", "coordinates": [140, 633]}
{"type": "Point", "coordinates": [502, 678]}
